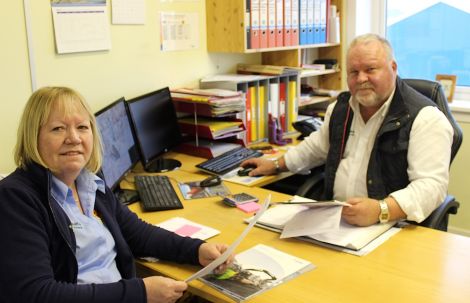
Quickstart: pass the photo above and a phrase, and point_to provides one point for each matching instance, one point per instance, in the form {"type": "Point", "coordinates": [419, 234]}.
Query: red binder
{"type": "Point", "coordinates": [254, 24]}
{"type": "Point", "coordinates": [263, 23]}
{"type": "Point", "coordinates": [279, 23]}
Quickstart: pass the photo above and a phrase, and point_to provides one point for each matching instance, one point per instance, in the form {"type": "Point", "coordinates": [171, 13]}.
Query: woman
{"type": "Point", "coordinates": [68, 238]}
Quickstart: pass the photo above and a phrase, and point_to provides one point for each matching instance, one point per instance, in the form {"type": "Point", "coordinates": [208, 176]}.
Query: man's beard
{"type": "Point", "coordinates": [368, 98]}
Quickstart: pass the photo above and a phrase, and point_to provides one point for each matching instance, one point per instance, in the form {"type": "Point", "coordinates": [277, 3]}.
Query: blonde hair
{"type": "Point", "coordinates": [36, 114]}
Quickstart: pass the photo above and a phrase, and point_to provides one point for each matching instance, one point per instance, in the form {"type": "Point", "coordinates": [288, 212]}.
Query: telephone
{"type": "Point", "coordinates": [307, 126]}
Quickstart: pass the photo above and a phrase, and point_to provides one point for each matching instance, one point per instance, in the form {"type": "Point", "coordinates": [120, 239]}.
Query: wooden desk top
{"type": "Point", "coordinates": [415, 265]}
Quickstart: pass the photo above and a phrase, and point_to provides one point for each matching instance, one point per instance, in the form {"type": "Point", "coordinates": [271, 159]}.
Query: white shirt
{"type": "Point", "coordinates": [428, 158]}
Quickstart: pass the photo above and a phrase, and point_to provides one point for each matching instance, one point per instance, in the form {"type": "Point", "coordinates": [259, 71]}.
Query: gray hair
{"type": "Point", "coordinates": [369, 38]}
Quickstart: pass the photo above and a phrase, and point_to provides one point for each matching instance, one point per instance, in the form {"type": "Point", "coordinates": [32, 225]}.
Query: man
{"type": "Point", "coordinates": [386, 148]}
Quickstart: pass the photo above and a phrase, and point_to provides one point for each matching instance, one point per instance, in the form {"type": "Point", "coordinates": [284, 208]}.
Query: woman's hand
{"type": "Point", "coordinates": [163, 290]}
{"type": "Point", "coordinates": [209, 252]}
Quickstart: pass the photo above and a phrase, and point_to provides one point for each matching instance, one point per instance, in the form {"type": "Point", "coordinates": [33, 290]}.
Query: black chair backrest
{"type": "Point", "coordinates": [434, 91]}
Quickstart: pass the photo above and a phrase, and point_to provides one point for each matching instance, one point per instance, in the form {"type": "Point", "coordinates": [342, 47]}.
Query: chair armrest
{"type": "Point", "coordinates": [312, 187]}
{"type": "Point", "coordinates": [438, 219]}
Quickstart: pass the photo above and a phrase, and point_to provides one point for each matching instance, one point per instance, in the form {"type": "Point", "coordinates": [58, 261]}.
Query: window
{"type": "Point", "coordinates": [431, 37]}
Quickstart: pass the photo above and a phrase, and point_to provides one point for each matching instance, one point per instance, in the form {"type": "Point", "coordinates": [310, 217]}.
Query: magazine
{"type": "Point", "coordinates": [193, 190]}
{"type": "Point", "coordinates": [256, 270]}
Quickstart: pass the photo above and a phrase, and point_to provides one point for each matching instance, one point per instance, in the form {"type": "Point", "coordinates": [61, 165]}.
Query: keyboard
{"type": "Point", "coordinates": [156, 193]}
{"type": "Point", "coordinates": [228, 161]}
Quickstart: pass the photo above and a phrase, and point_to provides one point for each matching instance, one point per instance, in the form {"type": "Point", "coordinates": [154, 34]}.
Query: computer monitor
{"type": "Point", "coordinates": [156, 129]}
{"type": "Point", "coordinates": [119, 149]}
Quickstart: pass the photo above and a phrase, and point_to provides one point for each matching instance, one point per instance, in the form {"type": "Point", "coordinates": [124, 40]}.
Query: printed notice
{"type": "Point", "coordinates": [179, 31]}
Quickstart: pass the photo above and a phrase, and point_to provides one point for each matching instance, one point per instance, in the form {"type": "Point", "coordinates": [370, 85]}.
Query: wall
{"type": "Point", "coordinates": [134, 65]}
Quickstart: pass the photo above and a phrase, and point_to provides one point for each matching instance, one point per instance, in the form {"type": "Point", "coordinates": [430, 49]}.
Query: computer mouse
{"type": "Point", "coordinates": [210, 181]}
{"type": "Point", "coordinates": [244, 171]}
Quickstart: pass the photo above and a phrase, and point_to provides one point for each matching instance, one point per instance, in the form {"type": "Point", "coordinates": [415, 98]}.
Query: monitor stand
{"type": "Point", "coordinates": [162, 165]}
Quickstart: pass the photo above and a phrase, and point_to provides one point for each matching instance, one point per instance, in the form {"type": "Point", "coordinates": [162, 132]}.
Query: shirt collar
{"type": "Point", "coordinates": [60, 191]}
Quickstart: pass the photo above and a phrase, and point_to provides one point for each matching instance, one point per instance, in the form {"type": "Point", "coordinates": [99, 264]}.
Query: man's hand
{"type": "Point", "coordinates": [362, 212]}
{"type": "Point", "coordinates": [264, 167]}
{"type": "Point", "coordinates": [163, 290]}
{"type": "Point", "coordinates": [209, 252]}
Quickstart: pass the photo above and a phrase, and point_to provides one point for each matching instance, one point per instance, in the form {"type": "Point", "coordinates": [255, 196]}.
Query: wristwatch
{"type": "Point", "coordinates": [276, 165]}
{"type": "Point", "coordinates": [384, 213]}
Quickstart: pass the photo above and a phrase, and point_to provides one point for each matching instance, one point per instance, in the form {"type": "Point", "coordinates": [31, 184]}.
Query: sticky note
{"type": "Point", "coordinates": [187, 230]}
{"type": "Point", "coordinates": [249, 207]}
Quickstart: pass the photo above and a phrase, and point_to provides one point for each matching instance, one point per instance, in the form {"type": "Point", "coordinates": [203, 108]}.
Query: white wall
{"type": "Point", "coordinates": [135, 64]}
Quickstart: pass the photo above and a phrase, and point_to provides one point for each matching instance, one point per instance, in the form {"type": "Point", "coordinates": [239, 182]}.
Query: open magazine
{"type": "Point", "coordinates": [256, 270]}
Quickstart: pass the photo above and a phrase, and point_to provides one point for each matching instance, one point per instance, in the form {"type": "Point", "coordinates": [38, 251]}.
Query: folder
{"type": "Point", "coordinates": [210, 128]}
{"type": "Point", "coordinates": [248, 23]}
{"type": "Point", "coordinates": [263, 23]}
{"type": "Point", "coordinates": [292, 104]}
{"type": "Point", "coordinates": [279, 23]}
{"type": "Point", "coordinates": [248, 115]}
{"type": "Point", "coordinates": [262, 125]}
{"type": "Point", "coordinates": [323, 20]}
{"type": "Point", "coordinates": [310, 17]}
{"type": "Point", "coordinates": [303, 22]}
{"type": "Point", "coordinates": [254, 24]}
{"type": "Point", "coordinates": [287, 23]}
{"type": "Point", "coordinates": [208, 149]}
{"type": "Point", "coordinates": [282, 104]}
{"type": "Point", "coordinates": [254, 113]}
{"type": "Point", "coordinates": [316, 21]}
{"type": "Point", "coordinates": [295, 22]}
{"type": "Point", "coordinates": [271, 23]}
{"type": "Point", "coordinates": [273, 107]}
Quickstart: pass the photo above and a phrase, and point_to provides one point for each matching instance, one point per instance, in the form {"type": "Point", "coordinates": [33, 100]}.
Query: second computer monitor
{"type": "Point", "coordinates": [156, 129]}
{"type": "Point", "coordinates": [119, 149]}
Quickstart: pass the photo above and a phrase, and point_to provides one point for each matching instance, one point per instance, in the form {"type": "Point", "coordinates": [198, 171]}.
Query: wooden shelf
{"type": "Point", "coordinates": [305, 73]}
{"type": "Point", "coordinates": [314, 100]}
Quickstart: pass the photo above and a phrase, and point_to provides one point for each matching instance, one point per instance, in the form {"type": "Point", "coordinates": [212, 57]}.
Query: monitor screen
{"type": "Point", "coordinates": [119, 149]}
{"type": "Point", "coordinates": [156, 129]}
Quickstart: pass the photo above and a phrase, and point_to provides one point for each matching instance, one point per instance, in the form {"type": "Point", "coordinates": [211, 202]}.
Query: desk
{"type": "Point", "coordinates": [415, 265]}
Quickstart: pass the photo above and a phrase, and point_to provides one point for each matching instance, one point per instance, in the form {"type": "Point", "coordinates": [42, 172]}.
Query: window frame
{"type": "Point", "coordinates": [370, 16]}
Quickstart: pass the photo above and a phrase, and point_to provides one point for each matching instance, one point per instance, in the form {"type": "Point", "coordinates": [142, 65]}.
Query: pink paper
{"type": "Point", "coordinates": [187, 230]}
{"type": "Point", "coordinates": [249, 207]}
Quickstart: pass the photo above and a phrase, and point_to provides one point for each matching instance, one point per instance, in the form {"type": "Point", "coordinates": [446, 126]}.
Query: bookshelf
{"type": "Point", "coordinates": [226, 33]}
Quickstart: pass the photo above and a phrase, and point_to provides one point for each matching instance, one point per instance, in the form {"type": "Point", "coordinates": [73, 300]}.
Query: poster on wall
{"type": "Point", "coordinates": [179, 31]}
{"type": "Point", "coordinates": [80, 25]}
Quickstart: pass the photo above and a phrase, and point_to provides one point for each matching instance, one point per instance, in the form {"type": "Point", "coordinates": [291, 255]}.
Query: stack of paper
{"type": "Point", "coordinates": [319, 222]}
{"type": "Point", "coordinates": [208, 102]}
{"type": "Point", "coordinates": [209, 128]}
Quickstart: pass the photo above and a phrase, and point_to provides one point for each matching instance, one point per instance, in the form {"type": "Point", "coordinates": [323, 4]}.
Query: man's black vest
{"type": "Point", "coordinates": [387, 169]}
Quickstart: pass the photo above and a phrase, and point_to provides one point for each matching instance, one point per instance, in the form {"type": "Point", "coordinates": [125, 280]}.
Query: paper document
{"type": "Point", "coordinates": [187, 228]}
{"type": "Point", "coordinates": [313, 221]}
{"type": "Point", "coordinates": [214, 264]}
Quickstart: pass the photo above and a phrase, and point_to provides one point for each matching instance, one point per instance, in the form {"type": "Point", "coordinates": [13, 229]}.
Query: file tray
{"type": "Point", "coordinates": [208, 149]}
{"type": "Point", "coordinates": [213, 129]}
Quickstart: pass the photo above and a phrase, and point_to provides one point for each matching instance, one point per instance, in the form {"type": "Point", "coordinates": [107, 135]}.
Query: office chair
{"type": "Point", "coordinates": [439, 218]}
